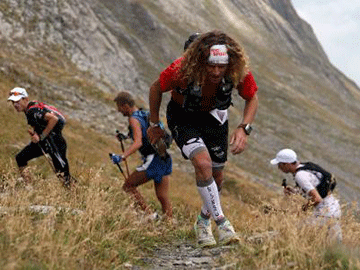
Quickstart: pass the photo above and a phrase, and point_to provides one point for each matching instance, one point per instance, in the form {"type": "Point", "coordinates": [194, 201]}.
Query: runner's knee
{"type": "Point", "coordinates": [192, 147]}
{"type": "Point", "coordinates": [202, 165]}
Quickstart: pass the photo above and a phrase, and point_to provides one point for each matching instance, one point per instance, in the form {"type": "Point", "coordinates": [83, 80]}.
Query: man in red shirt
{"type": "Point", "coordinates": [201, 83]}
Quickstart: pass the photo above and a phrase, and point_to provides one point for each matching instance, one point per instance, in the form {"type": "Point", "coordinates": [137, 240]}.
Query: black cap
{"type": "Point", "coordinates": [191, 38]}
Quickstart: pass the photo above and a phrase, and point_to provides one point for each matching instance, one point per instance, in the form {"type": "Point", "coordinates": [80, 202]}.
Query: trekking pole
{"type": "Point", "coordinates": [31, 132]}
{"type": "Point", "coordinates": [122, 137]}
{"type": "Point", "coordinates": [48, 159]}
{"type": "Point", "coordinates": [120, 169]}
{"type": "Point", "coordinates": [66, 180]}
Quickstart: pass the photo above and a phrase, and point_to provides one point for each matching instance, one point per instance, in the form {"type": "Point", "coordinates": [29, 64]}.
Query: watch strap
{"type": "Point", "coordinates": [158, 124]}
{"type": "Point", "coordinates": [246, 127]}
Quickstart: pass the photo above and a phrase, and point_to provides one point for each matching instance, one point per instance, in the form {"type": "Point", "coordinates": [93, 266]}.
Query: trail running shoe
{"type": "Point", "coordinates": [204, 236]}
{"type": "Point", "coordinates": [154, 217]}
{"type": "Point", "coordinates": [65, 179]}
{"type": "Point", "coordinates": [227, 233]}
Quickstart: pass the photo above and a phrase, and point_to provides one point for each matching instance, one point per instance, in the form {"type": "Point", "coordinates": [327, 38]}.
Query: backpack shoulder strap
{"type": "Point", "coordinates": [35, 104]}
{"type": "Point", "coordinates": [44, 106]}
{"type": "Point", "coordinates": [310, 166]}
{"type": "Point", "coordinates": [143, 117]}
{"type": "Point", "coordinates": [327, 181]}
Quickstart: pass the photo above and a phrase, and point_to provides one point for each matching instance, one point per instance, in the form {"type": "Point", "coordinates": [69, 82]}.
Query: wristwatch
{"type": "Point", "coordinates": [247, 128]}
{"type": "Point", "coordinates": [158, 124]}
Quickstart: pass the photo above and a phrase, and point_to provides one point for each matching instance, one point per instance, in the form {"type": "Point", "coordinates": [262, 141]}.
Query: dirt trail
{"type": "Point", "coordinates": [185, 256]}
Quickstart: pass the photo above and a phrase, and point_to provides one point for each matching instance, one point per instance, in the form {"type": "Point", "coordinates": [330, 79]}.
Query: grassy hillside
{"type": "Point", "coordinates": [95, 225]}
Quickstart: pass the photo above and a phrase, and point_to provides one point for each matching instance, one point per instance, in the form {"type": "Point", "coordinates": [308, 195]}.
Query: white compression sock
{"type": "Point", "coordinates": [205, 211]}
{"type": "Point", "coordinates": [211, 199]}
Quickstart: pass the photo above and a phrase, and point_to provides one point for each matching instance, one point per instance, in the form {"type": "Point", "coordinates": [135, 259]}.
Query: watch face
{"type": "Point", "coordinates": [248, 129]}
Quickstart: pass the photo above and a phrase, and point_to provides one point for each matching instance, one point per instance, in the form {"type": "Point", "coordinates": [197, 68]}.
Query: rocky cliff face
{"type": "Point", "coordinates": [79, 53]}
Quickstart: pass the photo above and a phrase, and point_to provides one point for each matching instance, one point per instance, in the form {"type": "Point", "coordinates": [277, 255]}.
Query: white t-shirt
{"type": "Point", "coordinates": [329, 206]}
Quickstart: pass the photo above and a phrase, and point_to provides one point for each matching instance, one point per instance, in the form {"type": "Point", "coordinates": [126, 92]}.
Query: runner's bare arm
{"type": "Point", "coordinates": [137, 137]}
{"type": "Point", "coordinates": [238, 139]}
{"type": "Point", "coordinates": [250, 109]}
{"type": "Point", "coordinates": [52, 120]}
{"type": "Point", "coordinates": [314, 200]}
{"type": "Point", "coordinates": [315, 197]}
{"type": "Point", "coordinates": [155, 98]}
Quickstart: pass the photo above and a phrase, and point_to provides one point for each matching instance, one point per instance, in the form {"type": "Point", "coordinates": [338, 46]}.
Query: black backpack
{"type": "Point", "coordinates": [327, 180]}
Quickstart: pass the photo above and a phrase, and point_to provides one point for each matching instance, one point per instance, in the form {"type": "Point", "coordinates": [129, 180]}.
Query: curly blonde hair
{"type": "Point", "coordinates": [193, 66]}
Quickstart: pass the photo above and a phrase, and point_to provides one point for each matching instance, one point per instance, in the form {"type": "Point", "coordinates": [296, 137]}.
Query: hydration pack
{"type": "Point", "coordinates": [47, 108]}
{"type": "Point", "coordinates": [327, 180]}
{"type": "Point", "coordinates": [192, 96]}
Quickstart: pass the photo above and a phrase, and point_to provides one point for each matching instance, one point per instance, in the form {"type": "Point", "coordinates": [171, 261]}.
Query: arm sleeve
{"type": "Point", "coordinates": [248, 87]}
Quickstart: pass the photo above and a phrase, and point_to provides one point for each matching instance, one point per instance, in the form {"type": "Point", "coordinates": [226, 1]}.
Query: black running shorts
{"type": "Point", "coordinates": [193, 129]}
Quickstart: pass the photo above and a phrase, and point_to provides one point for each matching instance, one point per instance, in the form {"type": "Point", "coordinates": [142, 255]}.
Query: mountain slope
{"type": "Point", "coordinates": [79, 53]}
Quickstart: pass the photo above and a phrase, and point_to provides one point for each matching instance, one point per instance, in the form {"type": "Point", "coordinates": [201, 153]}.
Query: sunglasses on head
{"type": "Point", "coordinates": [15, 94]}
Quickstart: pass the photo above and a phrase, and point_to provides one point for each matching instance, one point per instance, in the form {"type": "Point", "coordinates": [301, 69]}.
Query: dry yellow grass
{"type": "Point", "coordinates": [95, 226]}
